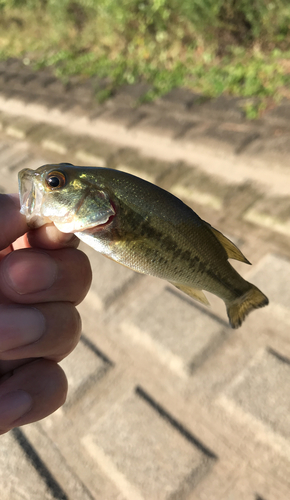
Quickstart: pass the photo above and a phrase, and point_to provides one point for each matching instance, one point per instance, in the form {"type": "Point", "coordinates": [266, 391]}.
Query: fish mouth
{"type": "Point", "coordinates": [26, 191]}
{"type": "Point", "coordinates": [30, 198]}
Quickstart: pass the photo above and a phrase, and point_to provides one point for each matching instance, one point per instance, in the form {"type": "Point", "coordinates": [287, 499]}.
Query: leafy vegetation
{"type": "Point", "coordinates": [240, 47]}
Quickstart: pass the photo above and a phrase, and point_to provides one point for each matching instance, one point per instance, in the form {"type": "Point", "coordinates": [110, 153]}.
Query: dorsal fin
{"type": "Point", "coordinates": [233, 252]}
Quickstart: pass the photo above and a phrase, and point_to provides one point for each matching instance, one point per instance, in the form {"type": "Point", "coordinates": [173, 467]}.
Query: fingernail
{"type": "Point", "coordinates": [13, 405]}
{"type": "Point", "coordinates": [29, 271]}
{"type": "Point", "coordinates": [20, 326]}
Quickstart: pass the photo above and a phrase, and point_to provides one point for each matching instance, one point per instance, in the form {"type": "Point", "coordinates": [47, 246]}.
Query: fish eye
{"type": "Point", "coordinates": [55, 180]}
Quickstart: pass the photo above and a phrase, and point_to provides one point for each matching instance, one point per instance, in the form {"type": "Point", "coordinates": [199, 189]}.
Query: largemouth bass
{"type": "Point", "coordinates": [142, 227]}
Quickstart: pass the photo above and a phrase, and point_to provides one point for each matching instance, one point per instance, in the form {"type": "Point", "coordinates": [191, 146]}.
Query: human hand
{"type": "Point", "coordinates": [42, 277]}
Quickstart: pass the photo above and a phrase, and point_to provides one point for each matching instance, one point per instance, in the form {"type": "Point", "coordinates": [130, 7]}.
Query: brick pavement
{"type": "Point", "coordinates": [165, 401]}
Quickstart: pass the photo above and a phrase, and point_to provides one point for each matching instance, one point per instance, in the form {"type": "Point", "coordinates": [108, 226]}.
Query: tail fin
{"type": "Point", "coordinates": [241, 307]}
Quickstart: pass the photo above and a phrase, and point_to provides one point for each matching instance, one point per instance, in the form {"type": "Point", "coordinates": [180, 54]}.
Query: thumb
{"type": "Point", "coordinates": [12, 222]}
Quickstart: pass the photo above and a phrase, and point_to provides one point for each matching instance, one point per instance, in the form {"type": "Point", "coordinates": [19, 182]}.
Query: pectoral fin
{"type": "Point", "coordinates": [195, 293]}
{"type": "Point", "coordinates": [233, 252]}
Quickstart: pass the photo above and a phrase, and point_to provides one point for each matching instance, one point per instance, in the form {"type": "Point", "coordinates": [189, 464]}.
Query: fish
{"type": "Point", "coordinates": [142, 227]}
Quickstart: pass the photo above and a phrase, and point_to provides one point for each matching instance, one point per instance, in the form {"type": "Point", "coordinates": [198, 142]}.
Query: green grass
{"type": "Point", "coordinates": [238, 47]}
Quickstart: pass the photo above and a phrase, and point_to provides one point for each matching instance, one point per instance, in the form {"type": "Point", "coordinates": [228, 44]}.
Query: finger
{"type": "Point", "coordinates": [7, 367]}
{"type": "Point", "coordinates": [49, 331]}
{"type": "Point", "coordinates": [50, 237]}
{"type": "Point", "coordinates": [32, 392]}
{"type": "Point", "coordinates": [6, 251]}
{"type": "Point", "coordinates": [34, 276]}
{"type": "Point", "coordinates": [13, 223]}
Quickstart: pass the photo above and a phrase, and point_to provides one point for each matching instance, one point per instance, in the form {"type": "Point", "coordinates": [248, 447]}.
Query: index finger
{"type": "Point", "coordinates": [12, 222]}
{"type": "Point", "coordinates": [50, 238]}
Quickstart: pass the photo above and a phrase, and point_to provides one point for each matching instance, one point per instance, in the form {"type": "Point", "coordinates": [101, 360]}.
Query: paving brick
{"type": "Point", "coordinates": [161, 462]}
{"type": "Point", "coordinates": [16, 467]}
{"type": "Point", "coordinates": [49, 100]}
{"type": "Point", "coordinates": [167, 125]}
{"type": "Point", "coordinates": [51, 465]}
{"type": "Point", "coordinates": [20, 127]}
{"type": "Point", "coordinates": [2, 80]}
{"type": "Point", "coordinates": [179, 332]}
{"type": "Point", "coordinates": [4, 144]}
{"type": "Point", "coordinates": [92, 152]}
{"type": "Point", "coordinates": [252, 485]}
{"type": "Point", "coordinates": [271, 275]}
{"type": "Point", "coordinates": [125, 116]}
{"type": "Point", "coordinates": [25, 82]}
{"type": "Point", "coordinates": [3, 66]}
{"type": "Point", "coordinates": [13, 65]}
{"type": "Point", "coordinates": [273, 213]}
{"type": "Point", "coordinates": [50, 83]}
{"type": "Point", "coordinates": [13, 156]}
{"type": "Point", "coordinates": [262, 391]}
{"type": "Point", "coordinates": [278, 145]}
{"type": "Point", "coordinates": [149, 169]}
{"type": "Point", "coordinates": [29, 77]}
{"type": "Point", "coordinates": [59, 142]}
{"type": "Point", "coordinates": [130, 94]}
{"type": "Point", "coordinates": [42, 132]}
{"type": "Point", "coordinates": [85, 110]}
{"type": "Point", "coordinates": [239, 198]}
{"type": "Point", "coordinates": [85, 365]}
{"type": "Point", "coordinates": [82, 92]}
{"type": "Point", "coordinates": [227, 138]}
{"type": "Point", "coordinates": [193, 187]}
{"type": "Point", "coordinates": [280, 115]}
{"type": "Point", "coordinates": [180, 99]}
{"type": "Point", "coordinates": [273, 148]}
{"type": "Point", "coordinates": [223, 108]}
{"type": "Point", "coordinates": [11, 80]}
{"type": "Point", "coordinates": [5, 119]}
{"type": "Point", "coordinates": [30, 97]}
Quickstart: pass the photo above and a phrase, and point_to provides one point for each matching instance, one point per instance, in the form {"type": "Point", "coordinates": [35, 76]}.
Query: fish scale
{"type": "Point", "coordinates": [141, 226]}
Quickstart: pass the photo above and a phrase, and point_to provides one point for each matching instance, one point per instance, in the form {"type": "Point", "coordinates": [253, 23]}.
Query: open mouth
{"type": "Point", "coordinates": [26, 192]}
{"type": "Point", "coordinates": [30, 199]}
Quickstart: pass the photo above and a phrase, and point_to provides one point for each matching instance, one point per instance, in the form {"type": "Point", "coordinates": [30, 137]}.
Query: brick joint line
{"type": "Point", "coordinates": [96, 351]}
{"type": "Point", "coordinates": [39, 465]}
{"type": "Point", "coordinates": [177, 425]}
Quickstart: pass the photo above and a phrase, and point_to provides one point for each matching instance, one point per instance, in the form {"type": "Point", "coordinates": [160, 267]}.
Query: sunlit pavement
{"type": "Point", "coordinates": [166, 402]}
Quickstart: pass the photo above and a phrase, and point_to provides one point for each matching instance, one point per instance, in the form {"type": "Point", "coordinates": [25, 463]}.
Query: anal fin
{"type": "Point", "coordinates": [195, 293]}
